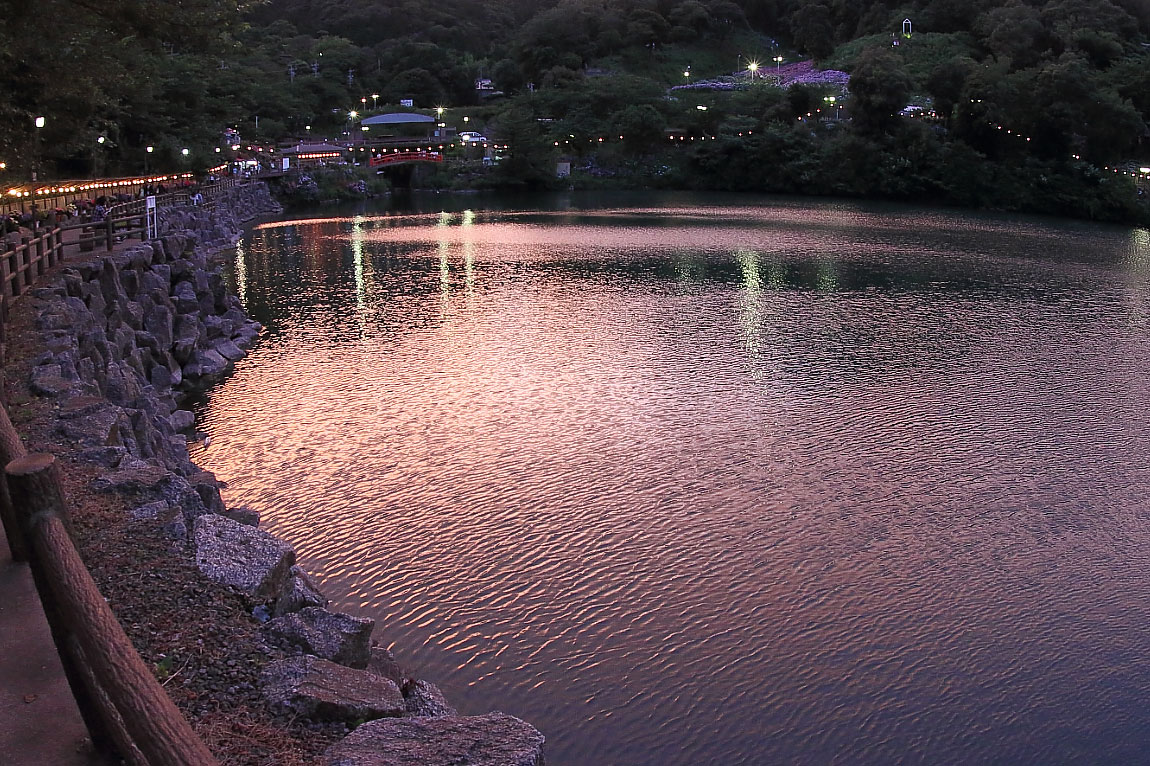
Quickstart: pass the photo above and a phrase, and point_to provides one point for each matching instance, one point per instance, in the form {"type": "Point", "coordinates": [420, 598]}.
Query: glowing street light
{"type": "Point", "coordinates": [374, 100]}
{"type": "Point", "coordinates": [39, 123]}
{"type": "Point", "coordinates": [687, 72]}
{"type": "Point", "coordinates": [753, 68]}
{"type": "Point", "coordinates": [147, 150]}
{"type": "Point", "coordinates": [778, 64]}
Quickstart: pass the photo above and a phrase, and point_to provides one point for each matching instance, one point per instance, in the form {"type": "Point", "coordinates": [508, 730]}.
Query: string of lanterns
{"type": "Point", "coordinates": [94, 185]}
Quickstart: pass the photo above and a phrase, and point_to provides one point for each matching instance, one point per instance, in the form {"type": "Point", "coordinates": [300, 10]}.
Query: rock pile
{"type": "Point", "coordinates": [127, 337]}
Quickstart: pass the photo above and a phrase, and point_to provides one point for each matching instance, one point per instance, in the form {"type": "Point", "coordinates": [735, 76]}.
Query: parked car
{"type": "Point", "coordinates": [471, 137]}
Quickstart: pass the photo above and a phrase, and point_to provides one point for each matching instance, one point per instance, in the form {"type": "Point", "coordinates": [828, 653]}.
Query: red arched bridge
{"type": "Point", "coordinates": [402, 157]}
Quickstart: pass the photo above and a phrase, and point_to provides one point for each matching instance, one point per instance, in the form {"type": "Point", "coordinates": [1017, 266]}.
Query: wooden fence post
{"type": "Point", "coordinates": [36, 266]}
{"type": "Point", "coordinates": [110, 227]}
{"type": "Point", "coordinates": [141, 716]}
{"type": "Point", "coordinates": [11, 448]}
{"type": "Point", "coordinates": [57, 247]}
{"type": "Point", "coordinates": [20, 269]}
{"type": "Point", "coordinates": [35, 490]}
{"type": "Point", "coordinates": [6, 266]}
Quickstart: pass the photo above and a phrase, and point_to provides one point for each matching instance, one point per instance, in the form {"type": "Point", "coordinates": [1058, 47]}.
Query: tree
{"type": "Point", "coordinates": [812, 30]}
{"type": "Point", "coordinates": [880, 88]}
{"type": "Point", "coordinates": [530, 161]}
{"type": "Point", "coordinates": [1014, 32]}
{"type": "Point", "coordinates": [946, 82]}
{"type": "Point", "coordinates": [642, 127]}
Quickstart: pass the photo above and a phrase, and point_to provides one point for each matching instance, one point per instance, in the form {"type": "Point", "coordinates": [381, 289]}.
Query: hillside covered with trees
{"type": "Point", "coordinates": [1026, 104]}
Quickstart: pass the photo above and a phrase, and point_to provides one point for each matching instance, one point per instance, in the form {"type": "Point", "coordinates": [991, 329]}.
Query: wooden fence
{"type": "Point", "coordinates": [126, 710]}
{"type": "Point", "coordinates": [21, 263]}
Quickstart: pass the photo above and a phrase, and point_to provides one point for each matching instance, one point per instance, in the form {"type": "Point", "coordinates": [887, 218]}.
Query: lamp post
{"type": "Point", "coordinates": [39, 123]}
{"type": "Point", "coordinates": [779, 65]}
{"type": "Point", "coordinates": [374, 100]}
{"type": "Point", "coordinates": [147, 151]}
{"type": "Point", "coordinates": [753, 68]}
{"type": "Point", "coordinates": [97, 156]}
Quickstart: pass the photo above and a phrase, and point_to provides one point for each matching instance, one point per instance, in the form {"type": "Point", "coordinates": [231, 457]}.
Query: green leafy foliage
{"type": "Point", "coordinates": [1032, 98]}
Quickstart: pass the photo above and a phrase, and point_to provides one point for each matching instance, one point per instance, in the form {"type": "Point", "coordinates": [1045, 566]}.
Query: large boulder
{"type": "Point", "coordinates": [383, 663]}
{"type": "Point", "coordinates": [425, 699]}
{"type": "Point", "coordinates": [47, 380]}
{"type": "Point", "coordinates": [495, 739]}
{"type": "Point", "coordinates": [210, 363]}
{"type": "Point", "coordinates": [315, 688]}
{"type": "Point", "coordinates": [153, 482]}
{"type": "Point", "coordinates": [301, 593]}
{"type": "Point", "coordinates": [244, 557]}
{"type": "Point", "coordinates": [333, 636]}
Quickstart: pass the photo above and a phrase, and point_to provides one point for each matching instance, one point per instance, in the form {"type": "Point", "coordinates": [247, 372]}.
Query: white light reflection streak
{"type": "Point", "coordinates": [242, 274]}
{"type": "Point", "coordinates": [468, 254]}
{"type": "Point", "coordinates": [444, 271]}
{"type": "Point", "coordinates": [360, 289]}
{"type": "Point", "coordinates": [750, 308]}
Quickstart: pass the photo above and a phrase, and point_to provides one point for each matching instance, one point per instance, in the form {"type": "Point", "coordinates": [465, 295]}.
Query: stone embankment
{"type": "Point", "coordinates": [127, 337]}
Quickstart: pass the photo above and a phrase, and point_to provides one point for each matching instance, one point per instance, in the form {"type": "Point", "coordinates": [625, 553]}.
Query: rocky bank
{"type": "Point", "coordinates": [112, 345]}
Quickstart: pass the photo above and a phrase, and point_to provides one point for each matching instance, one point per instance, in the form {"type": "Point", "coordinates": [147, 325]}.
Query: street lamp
{"type": "Point", "coordinates": [374, 100]}
{"type": "Point", "coordinates": [778, 65]}
{"type": "Point", "coordinates": [830, 102]}
{"type": "Point", "coordinates": [39, 122]}
{"type": "Point", "coordinates": [147, 151]}
{"type": "Point", "coordinates": [96, 156]}
{"type": "Point", "coordinates": [687, 72]}
{"type": "Point", "coordinates": [753, 68]}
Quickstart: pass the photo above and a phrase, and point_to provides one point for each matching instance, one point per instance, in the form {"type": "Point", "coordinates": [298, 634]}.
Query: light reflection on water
{"type": "Point", "coordinates": [703, 483]}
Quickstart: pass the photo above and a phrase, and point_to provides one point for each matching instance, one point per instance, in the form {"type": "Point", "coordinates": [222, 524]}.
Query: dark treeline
{"type": "Point", "coordinates": [1032, 100]}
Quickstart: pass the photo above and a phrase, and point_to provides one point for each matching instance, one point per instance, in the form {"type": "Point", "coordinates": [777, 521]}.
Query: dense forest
{"type": "Point", "coordinates": [1026, 104]}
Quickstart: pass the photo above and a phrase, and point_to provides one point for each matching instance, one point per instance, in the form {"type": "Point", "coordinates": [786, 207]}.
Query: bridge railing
{"type": "Point", "coordinates": [398, 157]}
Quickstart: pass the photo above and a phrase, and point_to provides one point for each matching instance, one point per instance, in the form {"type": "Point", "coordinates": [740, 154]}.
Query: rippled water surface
{"type": "Point", "coordinates": [701, 480]}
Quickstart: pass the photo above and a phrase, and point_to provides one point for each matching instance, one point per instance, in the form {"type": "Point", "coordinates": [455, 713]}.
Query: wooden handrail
{"type": "Point", "coordinates": [11, 448]}
{"type": "Point", "coordinates": [122, 703]}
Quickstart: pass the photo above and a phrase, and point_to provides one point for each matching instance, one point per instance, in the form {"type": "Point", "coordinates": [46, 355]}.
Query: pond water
{"type": "Point", "coordinates": [716, 479]}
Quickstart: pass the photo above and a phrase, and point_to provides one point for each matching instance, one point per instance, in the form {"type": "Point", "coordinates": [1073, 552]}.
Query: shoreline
{"type": "Point", "coordinates": [101, 354]}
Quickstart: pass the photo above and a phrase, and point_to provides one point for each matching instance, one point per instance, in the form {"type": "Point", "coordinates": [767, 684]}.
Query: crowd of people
{"type": "Point", "coordinates": [95, 209]}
